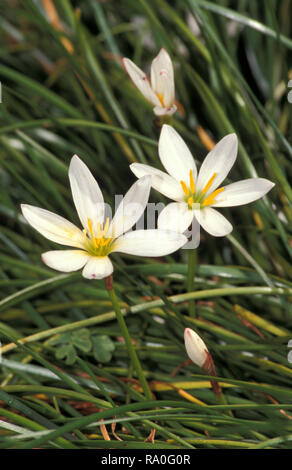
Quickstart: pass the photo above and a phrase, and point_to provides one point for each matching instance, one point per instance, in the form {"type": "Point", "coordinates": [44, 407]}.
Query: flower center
{"type": "Point", "coordinates": [198, 197]}
{"type": "Point", "coordinates": [98, 244]}
{"type": "Point", "coordinates": [160, 97]}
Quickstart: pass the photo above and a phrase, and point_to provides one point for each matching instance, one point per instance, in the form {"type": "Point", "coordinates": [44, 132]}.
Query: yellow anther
{"type": "Point", "coordinates": [90, 227]}
{"type": "Point", "coordinates": [192, 183]}
{"type": "Point", "coordinates": [97, 242]}
{"type": "Point", "coordinates": [190, 201]}
{"type": "Point", "coordinates": [185, 188]}
{"type": "Point", "coordinates": [210, 199]}
{"type": "Point", "coordinates": [160, 97]}
{"type": "Point", "coordinates": [209, 183]}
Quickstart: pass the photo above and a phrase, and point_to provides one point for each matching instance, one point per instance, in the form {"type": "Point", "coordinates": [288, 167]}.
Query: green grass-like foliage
{"type": "Point", "coordinates": [64, 91]}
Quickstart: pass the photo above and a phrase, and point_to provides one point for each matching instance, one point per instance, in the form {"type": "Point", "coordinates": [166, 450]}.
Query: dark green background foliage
{"type": "Point", "coordinates": [64, 91]}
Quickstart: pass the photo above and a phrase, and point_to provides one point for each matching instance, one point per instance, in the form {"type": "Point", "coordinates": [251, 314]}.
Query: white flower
{"type": "Point", "coordinates": [99, 237]}
{"type": "Point", "coordinates": [196, 195]}
{"type": "Point", "coordinates": [161, 91]}
{"type": "Point", "coordinates": [196, 348]}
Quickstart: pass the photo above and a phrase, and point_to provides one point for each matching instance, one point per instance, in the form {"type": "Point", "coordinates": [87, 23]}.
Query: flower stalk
{"type": "Point", "coordinates": [161, 120]}
{"type": "Point", "coordinates": [192, 261]}
{"type": "Point", "coordinates": [127, 337]}
{"type": "Point", "coordinates": [209, 368]}
{"type": "Point", "coordinates": [199, 355]}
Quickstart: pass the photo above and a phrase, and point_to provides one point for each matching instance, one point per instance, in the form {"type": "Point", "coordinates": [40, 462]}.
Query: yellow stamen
{"type": "Point", "coordinates": [192, 183]}
{"type": "Point", "coordinates": [106, 241]}
{"type": "Point", "coordinates": [105, 227]}
{"type": "Point", "coordinates": [190, 201]}
{"type": "Point", "coordinates": [209, 183]}
{"type": "Point", "coordinates": [210, 199]}
{"type": "Point", "coordinates": [98, 240]}
{"type": "Point", "coordinates": [160, 97]}
{"type": "Point", "coordinates": [90, 227]}
{"type": "Point", "coordinates": [185, 188]}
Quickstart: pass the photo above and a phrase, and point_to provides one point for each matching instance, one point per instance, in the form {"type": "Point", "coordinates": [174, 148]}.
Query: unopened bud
{"type": "Point", "coordinates": [196, 348]}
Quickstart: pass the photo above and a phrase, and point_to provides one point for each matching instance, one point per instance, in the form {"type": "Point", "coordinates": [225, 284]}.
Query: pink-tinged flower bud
{"type": "Point", "coordinates": [196, 348]}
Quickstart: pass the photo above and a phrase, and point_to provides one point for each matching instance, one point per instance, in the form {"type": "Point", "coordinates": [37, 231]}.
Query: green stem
{"type": "Point", "coordinates": [209, 368]}
{"type": "Point", "coordinates": [222, 401]}
{"type": "Point", "coordinates": [190, 279]}
{"type": "Point", "coordinates": [126, 335]}
{"type": "Point", "coordinates": [159, 121]}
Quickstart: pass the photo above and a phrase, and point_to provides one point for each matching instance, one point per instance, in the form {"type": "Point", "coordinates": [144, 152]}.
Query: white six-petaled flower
{"type": "Point", "coordinates": [197, 194]}
{"type": "Point", "coordinates": [99, 236]}
{"type": "Point", "coordinates": [161, 90]}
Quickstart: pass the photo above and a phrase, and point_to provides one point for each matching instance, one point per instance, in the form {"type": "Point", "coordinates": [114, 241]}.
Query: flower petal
{"type": "Point", "coordinates": [160, 111]}
{"type": "Point", "coordinates": [140, 80]}
{"type": "Point", "coordinates": [65, 261]}
{"type": "Point", "coordinates": [149, 242]}
{"type": "Point", "coordinates": [175, 155]}
{"type": "Point", "coordinates": [131, 207]}
{"type": "Point", "coordinates": [86, 194]}
{"type": "Point", "coordinates": [243, 192]}
{"type": "Point", "coordinates": [162, 79]}
{"type": "Point", "coordinates": [53, 226]}
{"type": "Point", "coordinates": [195, 347]}
{"type": "Point", "coordinates": [175, 216]}
{"type": "Point", "coordinates": [98, 267]}
{"type": "Point", "coordinates": [220, 161]}
{"type": "Point", "coordinates": [213, 222]}
{"type": "Point", "coordinates": [160, 181]}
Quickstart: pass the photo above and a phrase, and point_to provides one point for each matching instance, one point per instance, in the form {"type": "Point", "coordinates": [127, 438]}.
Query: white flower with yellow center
{"type": "Point", "coordinates": [196, 195]}
{"type": "Point", "coordinates": [99, 236]}
{"type": "Point", "coordinates": [161, 90]}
